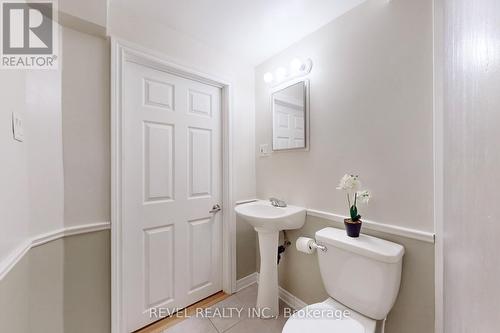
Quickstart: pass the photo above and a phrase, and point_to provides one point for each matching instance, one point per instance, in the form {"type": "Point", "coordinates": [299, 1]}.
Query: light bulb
{"type": "Point", "coordinates": [296, 65]}
{"type": "Point", "coordinates": [280, 73]}
{"type": "Point", "coordinates": [268, 77]}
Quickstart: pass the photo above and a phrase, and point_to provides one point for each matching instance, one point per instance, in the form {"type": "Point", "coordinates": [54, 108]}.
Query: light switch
{"type": "Point", "coordinates": [17, 127]}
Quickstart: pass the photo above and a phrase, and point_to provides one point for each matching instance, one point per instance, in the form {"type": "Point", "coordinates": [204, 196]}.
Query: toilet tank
{"type": "Point", "coordinates": [362, 273]}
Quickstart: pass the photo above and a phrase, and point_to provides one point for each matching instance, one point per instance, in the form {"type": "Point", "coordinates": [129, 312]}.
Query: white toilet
{"type": "Point", "coordinates": [361, 275]}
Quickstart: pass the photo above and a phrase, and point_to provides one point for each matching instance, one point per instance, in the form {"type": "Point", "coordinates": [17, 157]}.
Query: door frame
{"type": "Point", "coordinates": [438, 163]}
{"type": "Point", "coordinates": [122, 51]}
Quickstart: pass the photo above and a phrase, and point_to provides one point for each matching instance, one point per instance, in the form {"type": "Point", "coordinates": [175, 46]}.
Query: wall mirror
{"type": "Point", "coordinates": [289, 105]}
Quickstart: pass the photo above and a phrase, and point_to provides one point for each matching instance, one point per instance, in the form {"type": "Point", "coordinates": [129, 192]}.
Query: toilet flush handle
{"type": "Point", "coordinates": [320, 247]}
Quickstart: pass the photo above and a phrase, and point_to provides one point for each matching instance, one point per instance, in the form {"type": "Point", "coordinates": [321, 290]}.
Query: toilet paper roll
{"type": "Point", "coordinates": [305, 244]}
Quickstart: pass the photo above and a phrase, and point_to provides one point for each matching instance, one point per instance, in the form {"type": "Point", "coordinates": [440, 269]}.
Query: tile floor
{"type": "Point", "coordinates": [244, 323]}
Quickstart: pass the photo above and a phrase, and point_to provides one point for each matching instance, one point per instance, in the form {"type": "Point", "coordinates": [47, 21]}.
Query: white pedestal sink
{"type": "Point", "coordinates": [268, 220]}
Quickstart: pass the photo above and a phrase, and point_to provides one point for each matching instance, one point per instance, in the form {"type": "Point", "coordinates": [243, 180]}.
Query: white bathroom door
{"type": "Point", "coordinates": [171, 167]}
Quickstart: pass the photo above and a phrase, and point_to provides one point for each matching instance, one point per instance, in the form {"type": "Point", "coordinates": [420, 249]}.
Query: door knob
{"type": "Point", "coordinates": [215, 209]}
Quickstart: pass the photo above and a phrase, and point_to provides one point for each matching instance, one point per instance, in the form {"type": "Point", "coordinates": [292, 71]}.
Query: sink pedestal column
{"type": "Point", "coordinates": [267, 297]}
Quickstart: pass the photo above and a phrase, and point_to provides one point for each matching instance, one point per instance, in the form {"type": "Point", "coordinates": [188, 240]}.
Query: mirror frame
{"type": "Point", "coordinates": [280, 87]}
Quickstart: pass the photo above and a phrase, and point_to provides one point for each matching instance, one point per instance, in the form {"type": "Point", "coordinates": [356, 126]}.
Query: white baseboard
{"type": "Point", "coordinates": [291, 300]}
{"type": "Point", "coordinates": [287, 297]}
{"type": "Point", "coordinates": [246, 281]}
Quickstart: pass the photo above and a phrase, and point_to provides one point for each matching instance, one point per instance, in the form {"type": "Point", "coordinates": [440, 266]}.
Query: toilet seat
{"type": "Point", "coordinates": [324, 317]}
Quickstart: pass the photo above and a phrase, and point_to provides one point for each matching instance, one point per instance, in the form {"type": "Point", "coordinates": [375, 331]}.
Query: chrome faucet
{"type": "Point", "coordinates": [277, 202]}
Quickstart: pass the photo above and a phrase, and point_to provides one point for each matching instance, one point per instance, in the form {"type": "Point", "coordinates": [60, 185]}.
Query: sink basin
{"type": "Point", "coordinates": [264, 216]}
{"type": "Point", "coordinates": [268, 221]}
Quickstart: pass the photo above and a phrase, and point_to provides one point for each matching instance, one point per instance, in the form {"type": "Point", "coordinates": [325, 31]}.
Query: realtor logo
{"type": "Point", "coordinates": [28, 35]}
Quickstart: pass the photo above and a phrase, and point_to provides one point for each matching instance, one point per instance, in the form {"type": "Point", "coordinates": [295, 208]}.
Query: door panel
{"type": "Point", "coordinates": [171, 166]}
{"type": "Point", "coordinates": [158, 161]}
{"type": "Point", "coordinates": [200, 103]}
{"type": "Point", "coordinates": [200, 156]}
{"type": "Point", "coordinates": [200, 253]}
{"type": "Point", "coordinates": [159, 265]}
{"type": "Point", "coordinates": [159, 94]}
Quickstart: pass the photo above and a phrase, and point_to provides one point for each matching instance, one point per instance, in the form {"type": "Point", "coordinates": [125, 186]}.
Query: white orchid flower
{"type": "Point", "coordinates": [363, 196]}
{"type": "Point", "coordinates": [349, 183]}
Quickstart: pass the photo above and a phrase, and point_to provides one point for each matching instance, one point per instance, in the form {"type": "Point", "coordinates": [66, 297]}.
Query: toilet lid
{"type": "Point", "coordinates": [326, 317]}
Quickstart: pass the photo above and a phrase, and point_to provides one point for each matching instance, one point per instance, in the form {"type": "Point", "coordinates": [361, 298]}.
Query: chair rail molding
{"type": "Point", "coordinates": [420, 235]}
{"type": "Point", "coordinates": [424, 236]}
{"type": "Point", "coordinates": [18, 253]}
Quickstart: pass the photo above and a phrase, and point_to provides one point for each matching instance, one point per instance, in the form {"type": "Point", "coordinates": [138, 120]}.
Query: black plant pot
{"type": "Point", "coordinates": [352, 228]}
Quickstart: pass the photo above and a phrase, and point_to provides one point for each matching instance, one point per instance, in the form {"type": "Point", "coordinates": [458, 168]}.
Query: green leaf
{"type": "Point", "coordinates": [356, 218]}
{"type": "Point", "coordinates": [354, 213]}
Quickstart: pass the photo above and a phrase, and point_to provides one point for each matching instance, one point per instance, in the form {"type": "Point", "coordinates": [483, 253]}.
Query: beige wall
{"type": "Point", "coordinates": [46, 292]}
{"type": "Point", "coordinates": [246, 243]}
{"type": "Point", "coordinates": [14, 299]}
{"type": "Point", "coordinates": [86, 128]}
{"type": "Point", "coordinates": [87, 283]}
{"type": "Point", "coordinates": [371, 114]}
{"type": "Point", "coordinates": [31, 172]}
{"type": "Point", "coordinates": [60, 287]}
{"type": "Point", "coordinates": [45, 188]}
{"type": "Point", "coordinates": [14, 192]}
{"type": "Point", "coordinates": [44, 144]}
{"type": "Point", "coordinates": [93, 11]}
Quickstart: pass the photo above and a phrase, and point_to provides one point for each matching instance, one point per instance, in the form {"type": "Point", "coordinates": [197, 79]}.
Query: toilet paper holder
{"type": "Point", "coordinates": [308, 245]}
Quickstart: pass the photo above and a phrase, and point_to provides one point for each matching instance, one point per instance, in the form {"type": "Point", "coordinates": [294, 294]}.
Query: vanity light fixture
{"type": "Point", "coordinates": [296, 68]}
{"type": "Point", "coordinates": [281, 73]}
{"type": "Point", "coordinates": [295, 65]}
{"type": "Point", "coordinates": [268, 77]}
